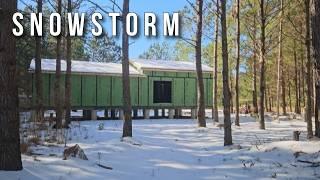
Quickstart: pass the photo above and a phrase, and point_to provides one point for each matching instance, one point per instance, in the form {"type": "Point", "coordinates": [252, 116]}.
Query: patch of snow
{"type": "Point", "coordinates": [176, 149]}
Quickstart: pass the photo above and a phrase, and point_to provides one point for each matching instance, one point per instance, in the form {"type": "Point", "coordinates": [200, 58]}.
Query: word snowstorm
{"type": "Point", "coordinates": [76, 24]}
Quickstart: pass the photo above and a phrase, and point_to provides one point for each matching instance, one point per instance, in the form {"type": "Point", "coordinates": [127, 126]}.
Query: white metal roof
{"type": "Point", "coordinates": [84, 67]}
{"type": "Point", "coordinates": [166, 65]}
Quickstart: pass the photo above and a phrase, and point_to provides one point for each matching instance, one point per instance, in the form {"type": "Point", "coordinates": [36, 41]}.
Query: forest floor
{"type": "Point", "coordinates": [177, 149]}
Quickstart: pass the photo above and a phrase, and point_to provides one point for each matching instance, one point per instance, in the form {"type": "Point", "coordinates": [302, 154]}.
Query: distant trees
{"type": "Point", "coordinates": [10, 156]}
{"type": "Point", "coordinates": [158, 51]}
{"type": "Point", "coordinates": [103, 49]}
{"type": "Point", "coordinates": [225, 74]}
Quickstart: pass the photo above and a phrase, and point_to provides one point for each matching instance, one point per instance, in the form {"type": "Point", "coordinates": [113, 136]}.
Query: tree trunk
{"type": "Point", "coordinates": [254, 82]}
{"type": "Point", "coordinates": [266, 100]}
{"type": "Point", "coordinates": [201, 105]}
{"type": "Point", "coordinates": [38, 73]}
{"type": "Point", "coordinates": [127, 126]}
{"type": "Point", "coordinates": [289, 95]}
{"type": "Point", "coordinates": [215, 78]}
{"type": "Point", "coordinates": [308, 74]}
{"type": "Point", "coordinates": [283, 85]}
{"type": "Point", "coordinates": [316, 53]}
{"type": "Point", "coordinates": [303, 76]}
{"type": "Point", "coordinates": [225, 73]}
{"type": "Point", "coordinates": [57, 84]}
{"type": "Point", "coordinates": [280, 81]}
{"type": "Point", "coordinates": [262, 64]}
{"type": "Point", "coordinates": [231, 92]}
{"type": "Point", "coordinates": [317, 110]}
{"type": "Point", "coordinates": [68, 74]}
{"type": "Point", "coordinates": [297, 108]}
{"type": "Point", "coordinates": [10, 156]}
{"type": "Point", "coordinates": [270, 100]}
{"type": "Point", "coordinates": [237, 120]}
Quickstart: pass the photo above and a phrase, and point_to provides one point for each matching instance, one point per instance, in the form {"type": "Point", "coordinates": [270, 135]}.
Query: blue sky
{"type": "Point", "coordinates": [141, 43]}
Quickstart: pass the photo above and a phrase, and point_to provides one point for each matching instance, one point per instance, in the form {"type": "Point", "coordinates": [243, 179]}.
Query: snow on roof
{"type": "Point", "coordinates": [84, 67]}
{"type": "Point", "coordinates": [167, 65]}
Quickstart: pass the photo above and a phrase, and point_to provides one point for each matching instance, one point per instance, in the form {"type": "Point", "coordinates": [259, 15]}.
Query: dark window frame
{"type": "Point", "coordinates": [162, 92]}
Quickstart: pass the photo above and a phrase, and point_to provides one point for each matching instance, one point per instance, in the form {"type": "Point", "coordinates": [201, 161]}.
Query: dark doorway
{"type": "Point", "coordinates": [162, 92]}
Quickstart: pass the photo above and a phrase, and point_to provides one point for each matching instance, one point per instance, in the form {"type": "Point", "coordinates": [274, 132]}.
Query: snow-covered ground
{"type": "Point", "coordinates": [177, 149]}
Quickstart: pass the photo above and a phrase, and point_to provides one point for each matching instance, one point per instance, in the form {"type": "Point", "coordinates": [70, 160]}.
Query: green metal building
{"type": "Point", "coordinates": [154, 84]}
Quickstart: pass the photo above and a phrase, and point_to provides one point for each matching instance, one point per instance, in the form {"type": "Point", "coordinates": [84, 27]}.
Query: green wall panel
{"type": "Point", "coordinates": [76, 90]}
{"type": "Point", "coordinates": [209, 92]}
{"type": "Point", "coordinates": [182, 74]}
{"type": "Point", "coordinates": [89, 91]}
{"type": "Point", "coordinates": [205, 84]}
{"type": "Point", "coordinates": [116, 91]}
{"type": "Point", "coordinates": [170, 74]}
{"type": "Point", "coordinates": [45, 90]}
{"type": "Point", "coordinates": [158, 73]}
{"type": "Point", "coordinates": [143, 92]}
{"type": "Point", "coordinates": [134, 90]}
{"type": "Point", "coordinates": [52, 82]}
{"type": "Point", "coordinates": [190, 92]}
{"type": "Point", "coordinates": [178, 92]}
{"type": "Point", "coordinates": [104, 91]}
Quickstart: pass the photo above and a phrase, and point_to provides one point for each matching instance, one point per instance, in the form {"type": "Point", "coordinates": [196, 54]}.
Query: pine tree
{"type": "Point", "coordinates": [10, 156]}
{"type": "Point", "coordinates": [225, 74]}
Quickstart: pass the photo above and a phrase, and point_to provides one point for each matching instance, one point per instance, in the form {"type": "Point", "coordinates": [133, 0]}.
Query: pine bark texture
{"type": "Point", "coordinates": [215, 114]}
{"type": "Point", "coordinates": [254, 67]}
{"type": "Point", "coordinates": [10, 156]}
{"type": "Point", "coordinates": [57, 83]}
{"type": "Point", "coordinates": [262, 63]}
{"type": "Point", "coordinates": [225, 74]}
{"type": "Point", "coordinates": [38, 73]}
{"type": "Point", "coordinates": [127, 126]}
{"type": "Point", "coordinates": [309, 108]}
{"type": "Point", "coordinates": [316, 53]}
{"type": "Point", "coordinates": [68, 75]}
{"type": "Point", "coordinates": [200, 86]}
{"type": "Point", "coordinates": [237, 120]}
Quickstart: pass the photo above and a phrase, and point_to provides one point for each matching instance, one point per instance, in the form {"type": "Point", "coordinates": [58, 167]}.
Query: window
{"type": "Point", "coordinates": [162, 92]}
